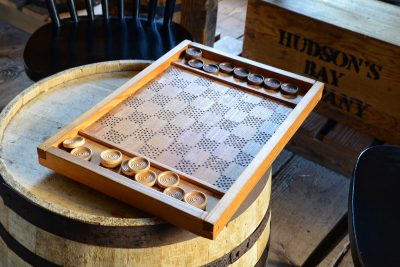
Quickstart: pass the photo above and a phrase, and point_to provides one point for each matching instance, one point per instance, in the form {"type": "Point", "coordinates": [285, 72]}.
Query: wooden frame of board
{"type": "Point", "coordinates": [223, 203]}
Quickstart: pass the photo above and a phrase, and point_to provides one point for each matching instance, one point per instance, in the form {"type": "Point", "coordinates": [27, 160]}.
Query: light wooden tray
{"type": "Point", "coordinates": [216, 132]}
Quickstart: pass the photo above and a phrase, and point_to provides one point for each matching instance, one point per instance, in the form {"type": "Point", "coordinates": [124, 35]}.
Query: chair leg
{"type": "Point", "coordinates": [330, 241]}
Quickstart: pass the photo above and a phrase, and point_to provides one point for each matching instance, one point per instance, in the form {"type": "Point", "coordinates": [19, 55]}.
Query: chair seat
{"type": "Point", "coordinates": [374, 208]}
{"type": "Point", "coordinates": [50, 49]}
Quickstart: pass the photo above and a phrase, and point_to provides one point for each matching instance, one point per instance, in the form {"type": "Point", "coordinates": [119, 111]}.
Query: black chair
{"type": "Point", "coordinates": [374, 208]}
{"type": "Point", "coordinates": [76, 41]}
{"type": "Point", "coordinates": [374, 212]}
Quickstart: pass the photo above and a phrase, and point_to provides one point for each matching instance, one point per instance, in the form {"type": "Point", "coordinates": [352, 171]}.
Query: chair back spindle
{"type": "Point", "coordinates": [121, 9]}
{"type": "Point", "coordinates": [89, 9]}
{"type": "Point", "coordinates": [83, 40]}
{"type": "Point", "coordinates": [104, 8]}
{"type": "Point", "coordinates": [136, 11]}
{"type": "Point", "coordinates": [169, 12]}
{"type": "Point", "coordinates": [72, 11]}
{"type": "Point", "coordinates": [152, 6]}
{"type": "Point", "coordinates": [53, 13]}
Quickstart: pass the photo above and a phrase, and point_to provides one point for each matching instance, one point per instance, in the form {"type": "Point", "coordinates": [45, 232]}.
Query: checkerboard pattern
{"type": "Point", "coordinates": [201, 127]}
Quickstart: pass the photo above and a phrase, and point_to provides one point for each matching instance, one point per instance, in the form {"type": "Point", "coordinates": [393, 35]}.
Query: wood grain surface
{"type": "Point", "coordinates": [329, 42]}
{"type": "Point", "coordinates": [199, 17]}
{"type": "Point", "coordinates": [353, 15]}
{"type": "Point", "coordinates": [19, 19]}
{"type": "Point", "coordinates": [307, 200]}
{"type": "Point", "coordinates": [195, 125]}
{"type": "Point", "coordinates": [12, 75]}
{"type": "Point", "coordinates": [329, 143]}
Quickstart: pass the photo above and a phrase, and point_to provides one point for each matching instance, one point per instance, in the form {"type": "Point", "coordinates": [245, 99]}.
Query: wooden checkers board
{"type": "Point", "coordinates": [218, 133]}
{"type": "Point", "coordinates": [198, 126]}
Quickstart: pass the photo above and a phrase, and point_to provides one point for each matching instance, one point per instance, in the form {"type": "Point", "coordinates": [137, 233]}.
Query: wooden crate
{"type": "Point", "coordinates": [330, 143]}
{"type": "Point", "coordinates": [218, 133]}
{"type": "Point", "coordinates": [352, 46]}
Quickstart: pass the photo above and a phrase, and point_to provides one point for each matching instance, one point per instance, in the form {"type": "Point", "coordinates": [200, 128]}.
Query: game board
{"type": "Point", "coordinates": [216, 131]}
{"type": "Point", "coordinates": [196, 125]}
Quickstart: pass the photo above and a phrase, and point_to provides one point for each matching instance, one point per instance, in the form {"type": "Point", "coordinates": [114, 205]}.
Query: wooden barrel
{"type": "Point", "coordinates": [49, 220]}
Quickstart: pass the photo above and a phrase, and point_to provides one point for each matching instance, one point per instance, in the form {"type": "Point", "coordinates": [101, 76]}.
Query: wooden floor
{"type": "Point", "coordinates": [307, 199]}
{"type": "Point", "coordinates": [12, 75]}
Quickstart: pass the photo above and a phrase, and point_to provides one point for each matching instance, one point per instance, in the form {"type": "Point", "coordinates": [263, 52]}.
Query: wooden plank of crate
{"type": "Point", "coordinates": [306, 143]}
{"type": "Point", "coordinates": [347, 260]}
{"type": "Point", "coordinates": [330, 144]}
{"type": "Point", "coordinates": [199, 17]}
{"type": "Point", "coordinates": [338, 255]}
{"type": "Point", "coordinates": [313, 125]}
{"type": "Point", "coordinates": [307, 201]}
{"type": "Point", "coordinates": [348, 139]}
{"type": "Point", "coordinates": [380, 125]}
{"type": "Point", "coordinates": [358, 98]}
{"type": "Point", "coordinates": [316, 151]}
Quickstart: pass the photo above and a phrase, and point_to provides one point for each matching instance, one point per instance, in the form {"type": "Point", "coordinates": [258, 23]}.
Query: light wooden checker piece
{"type": "Point", "coordinates": [74, 142]}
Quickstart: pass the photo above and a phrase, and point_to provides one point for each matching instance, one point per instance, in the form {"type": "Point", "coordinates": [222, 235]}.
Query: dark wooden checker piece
{"type": "Point", "coordinates": [196, 63]}
{"type": "Point", "coordinates": [272, 84]}
{"type": "Point", "coordinates": [193, 52]}
{"type": "Point", "coordinates": [255, 79]}
{"type": "Point", "coordinates": [226, 67]}
{"type": "Point", "coordinates": [289, 90]}
{"type": "Point", "coordinates": [211, 68]}
{"type": "Point", "coordinates": [241, 73]}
